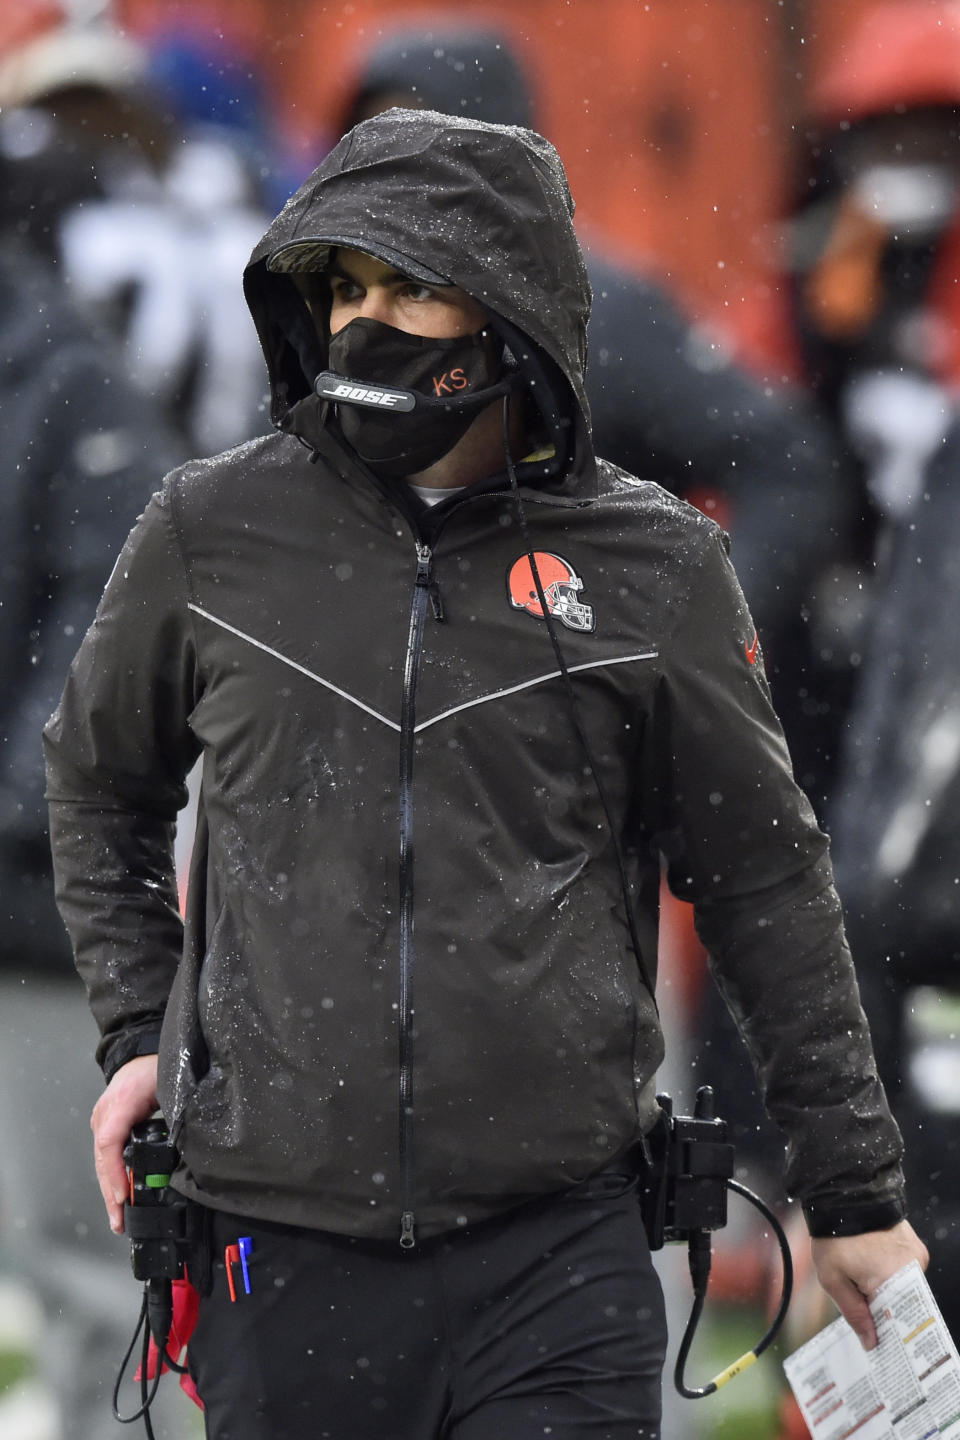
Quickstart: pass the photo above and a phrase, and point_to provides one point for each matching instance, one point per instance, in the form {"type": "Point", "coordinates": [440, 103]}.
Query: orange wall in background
{"type": "Point", "coordinates": [673, 117]}
{"type": "Point", "coordinates": [642, 101]}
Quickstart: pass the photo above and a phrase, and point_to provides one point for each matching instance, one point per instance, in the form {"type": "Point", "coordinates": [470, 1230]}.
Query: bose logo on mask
{"type": "Point", "coordinates": [330, 386]}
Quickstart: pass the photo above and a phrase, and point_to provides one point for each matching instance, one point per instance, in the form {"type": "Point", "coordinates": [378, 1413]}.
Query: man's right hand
{"type": "Point", "coordinates": [130, 1097]}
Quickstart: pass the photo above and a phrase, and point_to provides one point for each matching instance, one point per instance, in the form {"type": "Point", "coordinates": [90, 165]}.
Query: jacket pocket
{"type": "Point", "coordinates": [184, 1053]}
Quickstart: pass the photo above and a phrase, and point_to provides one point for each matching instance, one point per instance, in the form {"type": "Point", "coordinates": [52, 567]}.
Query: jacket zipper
{"type": "Point", "coordinates": [425, 589]}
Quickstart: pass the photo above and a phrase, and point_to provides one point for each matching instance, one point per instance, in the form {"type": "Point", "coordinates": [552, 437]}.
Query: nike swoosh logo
{"type": "Point", "coordinates": [751, 650]}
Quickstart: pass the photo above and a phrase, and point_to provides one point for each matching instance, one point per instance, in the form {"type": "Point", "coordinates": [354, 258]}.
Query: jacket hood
{"type": "Point", "coordinates": [484, 207]}
{"type": "Point", "coordinates": [456, 69]}
{"type": "Point", "coordinates": [900, 54]}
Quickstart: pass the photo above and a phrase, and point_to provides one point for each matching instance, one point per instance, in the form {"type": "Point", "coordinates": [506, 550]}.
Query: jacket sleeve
{"type": "Point", "coordinates": [741, 843]}
{"type": "Point", "coordinates": [118, 750]}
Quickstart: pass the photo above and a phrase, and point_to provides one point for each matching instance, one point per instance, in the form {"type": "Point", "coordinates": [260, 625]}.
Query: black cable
{"type": "Point", "coordinates": [160, 1318]}
{"type": "Point", "coordinates": [146, 1396]}
{"type": "Point", "coordinates": [171, 1364]}
{"type": "Point", "coordinates": [125, 1362]}
{"type": "Point", "coordinates": [148, 1390]}
{"type": "Point", "coordinates": [574, 711]}
{"type": "Point", "coordinates": [786, 1288]}
{"type": "Point", "coordinates": [700, 1242]}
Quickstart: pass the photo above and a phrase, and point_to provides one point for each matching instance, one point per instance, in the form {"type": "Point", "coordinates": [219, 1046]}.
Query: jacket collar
{"type": "Point", "coordinates": [576, 484]}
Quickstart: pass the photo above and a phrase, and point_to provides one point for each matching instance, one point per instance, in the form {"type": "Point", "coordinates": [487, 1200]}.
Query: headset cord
{"type": "Point", "coordinates": [573, 708]}
{"type": "Point", "coordinates": [699, 1240]}
{"type": "Point", "coordinates": [148, 1389]}
{"type": "Point", "coordinates": [699, 1257]}
{"type": "Point", "coordinates": [700, 1254]}
{"type": "Point", "coordinates": [147, 1392]}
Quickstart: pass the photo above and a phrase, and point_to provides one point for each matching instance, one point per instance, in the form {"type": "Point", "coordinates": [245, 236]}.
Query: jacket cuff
{"type": "Point", "coordinates": [128, 1047]}
{"type": "Point", "coordinates": [833, 1219]}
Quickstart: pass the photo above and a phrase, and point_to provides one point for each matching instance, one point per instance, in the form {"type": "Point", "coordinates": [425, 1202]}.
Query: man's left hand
{"type": "Point", "coordinates": [851, 1268]}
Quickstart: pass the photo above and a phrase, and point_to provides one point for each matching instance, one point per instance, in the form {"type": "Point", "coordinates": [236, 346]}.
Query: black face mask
{"type": "Point", "coordinates": [403, 401]}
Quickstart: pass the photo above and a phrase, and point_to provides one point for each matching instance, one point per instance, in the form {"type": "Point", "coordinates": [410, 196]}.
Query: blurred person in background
{"type": "Point", "coordinates": [213, 85]}
{"type": "Point", "coordinates": [875, 244]}
{"type": "Point", "coordinates": [866, 676]}
{"type": "Point", "coordinates": [126, 349]}
{"type": "Point", "coordinates": [81, 452]}
{"type": "Point", "coordinates": [156, 161]}
{"type": "Point", "coordinates": [873, 329]}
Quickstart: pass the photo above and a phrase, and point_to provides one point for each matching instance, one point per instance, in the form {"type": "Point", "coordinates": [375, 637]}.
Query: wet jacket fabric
{"type": "Point", "coordinates": [406, 997]}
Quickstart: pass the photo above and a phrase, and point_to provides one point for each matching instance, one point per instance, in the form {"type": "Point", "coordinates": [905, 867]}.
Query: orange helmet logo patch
{"type": "Point", "coordinates": [561, 587]}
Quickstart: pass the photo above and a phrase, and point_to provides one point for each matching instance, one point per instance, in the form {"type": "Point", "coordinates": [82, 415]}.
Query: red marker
{"type": "Point", "coordinates": [238, 1254]}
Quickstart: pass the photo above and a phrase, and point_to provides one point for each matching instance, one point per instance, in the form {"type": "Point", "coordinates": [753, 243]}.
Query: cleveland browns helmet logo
{"type": "Point", "coordinates": [561, 588]}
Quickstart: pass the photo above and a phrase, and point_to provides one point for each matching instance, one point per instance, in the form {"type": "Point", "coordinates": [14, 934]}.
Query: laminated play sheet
{"type": "Point", "coordinates": [908, 1388]}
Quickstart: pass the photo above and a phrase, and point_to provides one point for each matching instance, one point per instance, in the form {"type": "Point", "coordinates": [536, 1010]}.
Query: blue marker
{"type": "Point", "coordinates": [245, 1245]}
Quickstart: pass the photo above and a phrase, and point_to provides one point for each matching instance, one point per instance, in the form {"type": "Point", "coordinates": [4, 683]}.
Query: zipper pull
{"type": "Point", "coordinates": [424, 563]}
{"type": "Point", "coordinates": [407, 1238]}
{"type": "Point", "coordinates": [425, 578]}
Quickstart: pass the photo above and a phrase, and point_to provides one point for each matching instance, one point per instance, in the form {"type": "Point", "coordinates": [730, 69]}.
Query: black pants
{"type": "Point", "coordinates": [548, 1321]}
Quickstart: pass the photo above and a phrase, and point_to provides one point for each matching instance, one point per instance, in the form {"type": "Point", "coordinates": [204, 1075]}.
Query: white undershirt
{"type": "Point", "coordinates": [433, 494]}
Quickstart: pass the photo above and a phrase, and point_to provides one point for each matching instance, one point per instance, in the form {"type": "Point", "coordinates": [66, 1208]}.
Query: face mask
{"type": "Point", "coordinates": [403, 401]}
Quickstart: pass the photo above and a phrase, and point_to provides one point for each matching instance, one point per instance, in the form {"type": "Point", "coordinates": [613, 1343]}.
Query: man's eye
{"type": "Point", "coordinates": [418, 292]}
{"type": "Point", "coordinates": [345, 290]}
